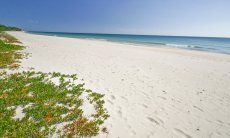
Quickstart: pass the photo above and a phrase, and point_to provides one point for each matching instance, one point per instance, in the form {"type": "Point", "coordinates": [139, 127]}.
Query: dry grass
{"type": "Point", "coordinates": [8, 38]}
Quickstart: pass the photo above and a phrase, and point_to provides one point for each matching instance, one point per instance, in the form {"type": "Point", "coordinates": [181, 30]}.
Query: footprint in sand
{"type": "Point", "coordinates": [182, 133]}
{"type": "Point", "coordinates": [130, 129]}
{"type": "Point", "coordinates": [198, 108]}
{"type": "Point", "coordinates": [110, 102]}
{"type": "Point", "coordinates": [153, 120]}
{"type": "Point", "coordinates": [157, 121]}
{"type": "Point", "coordinates": [119, 111]}
{"type": "Point", "coordinates": [164, 92]}
{"type": "Point", "coordinates": [113, 97]}
{"type": "Point", "coordinates": [129, 126]}
{"type": "Point", "coordinates": [145, 106]}
{"type": "Point", "coordinates": [133, 132]}
{"type": "Point", "coordinates": [124, 98]}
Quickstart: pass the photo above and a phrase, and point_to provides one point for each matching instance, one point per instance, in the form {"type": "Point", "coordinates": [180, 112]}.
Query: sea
{"type": "Point", "coordinates": [210, 44]}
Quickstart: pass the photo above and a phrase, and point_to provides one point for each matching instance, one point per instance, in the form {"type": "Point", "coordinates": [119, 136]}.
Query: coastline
{"type": "Point", "coordinates": [208, 44]}
{"type": "Point", "coordinates": [160, 47]}
{"type": "Point", "coordinates": [150, 91]}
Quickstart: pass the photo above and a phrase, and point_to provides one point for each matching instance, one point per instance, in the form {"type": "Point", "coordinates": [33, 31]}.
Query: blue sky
{"type": "Point", "coordinates": [166, 17]}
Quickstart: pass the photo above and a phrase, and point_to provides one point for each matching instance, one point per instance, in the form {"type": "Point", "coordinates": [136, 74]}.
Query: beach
{"type": "Point", "coordinates": [149, 91]}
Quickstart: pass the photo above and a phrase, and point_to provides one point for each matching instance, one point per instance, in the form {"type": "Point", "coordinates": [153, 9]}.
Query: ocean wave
{"type": "Point", "coordinates": [192, 43]}
{"type": "Point", "coordinates": [186, 46]}
{"type": "Point", "coordinates": [179, 45]}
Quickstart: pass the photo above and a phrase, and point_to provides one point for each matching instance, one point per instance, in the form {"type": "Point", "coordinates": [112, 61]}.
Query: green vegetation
{"type": "Point", "coordinates": [36, 104]}
{"type": "Point", "coordinates": [9, 55]}
{"type": "Point", "coordinates": [8, 38]}
{"type": "Point", "coordinates": [9, 28]}
{"type": "Point", "coordinates": [47, 100]}
{"type": "Point", "coordinates": [9, 52]}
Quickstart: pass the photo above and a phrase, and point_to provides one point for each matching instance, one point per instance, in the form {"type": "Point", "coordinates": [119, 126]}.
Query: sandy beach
{"type": "Point", "coordinates": [150, 92]}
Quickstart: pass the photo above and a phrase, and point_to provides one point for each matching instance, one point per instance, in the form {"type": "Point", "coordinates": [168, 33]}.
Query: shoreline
{"type": "Point", "coordinates": [148, 44]}
{"type": "Point", "coordinates": [160, 48]}
{"type": "Point", "coordinates": [149, 91]}
{"type": "Point", "coordinates": [151, 46]}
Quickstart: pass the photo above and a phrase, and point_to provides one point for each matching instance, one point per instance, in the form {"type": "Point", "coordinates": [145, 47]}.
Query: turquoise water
{"type": "Point", "coordinates": [211, 44]}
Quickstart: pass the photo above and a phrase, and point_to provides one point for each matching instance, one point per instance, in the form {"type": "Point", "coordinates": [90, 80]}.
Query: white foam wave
{"type": "Point", "coordinates": [178, 45]}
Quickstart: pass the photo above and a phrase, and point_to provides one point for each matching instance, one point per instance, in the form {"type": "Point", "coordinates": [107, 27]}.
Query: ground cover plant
{"type": "Point", "coordinates": [10, 55]}
{"type": "Point", "coordinates": [36, 104]}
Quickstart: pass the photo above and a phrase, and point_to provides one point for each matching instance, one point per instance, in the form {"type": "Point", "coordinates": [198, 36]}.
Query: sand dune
{"type": "Point", "coordinates": [150, 91]}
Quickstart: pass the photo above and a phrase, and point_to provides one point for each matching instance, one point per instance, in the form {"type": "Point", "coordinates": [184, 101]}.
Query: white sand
{"type": "Point", "coordinates": [19, 113]}
{"type": "Point", "coordinates": [150, 91]}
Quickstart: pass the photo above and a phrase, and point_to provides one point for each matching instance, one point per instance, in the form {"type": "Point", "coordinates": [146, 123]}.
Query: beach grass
{"type": "Point", "coordinates": [46, 100]}
{"type": "Point", "coordinates": [8, 38]}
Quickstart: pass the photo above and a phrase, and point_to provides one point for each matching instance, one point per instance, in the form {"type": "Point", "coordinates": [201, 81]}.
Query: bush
{"type": "Point", "coordinates": [9, 28]}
